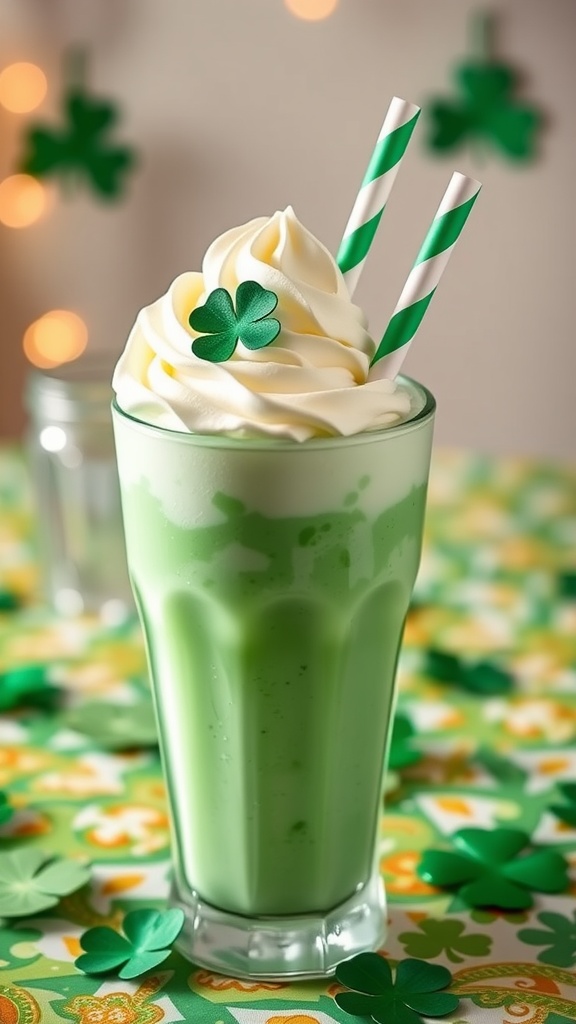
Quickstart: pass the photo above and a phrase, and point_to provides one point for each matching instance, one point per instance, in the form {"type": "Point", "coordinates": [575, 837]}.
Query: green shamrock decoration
{"type": "Point", "coordinates": [444, 936]}
{"type": "Point", "coordinates": [6, 809]}
{"type": "Point", "coordinates": [560, 939]}
{"type": "Point", "coordinates": [148, 936]}
{"type": "Point", "coordinates": [114, 726]}
{"type": "Point", "coordinates": [487, 871]}
{"type": "Point", "coordinates": [402, 754]}
{"type": "Point", "coordinates": [27, 684]}
{"type": "Point", "coordinates": [502, 768]}
{"type": "Point", "coordinates": [479, 677]}
{"type": "Point", "coordinates": [32, 880]}
{"type": "Point", "coordinates": [223, 327]}
{"type": "Point", "coordinates": [9, 601]}
{"type": "Point", "coordinates": [566, 812]}
{"type": "Point", "coordinates": [486, 111]}
{"type": "Point", "coordinates": [567, 585]}
{"type": "Point", "coordinates": [80, 148]}
{"type": "Point", "coordinates": [414, 991]}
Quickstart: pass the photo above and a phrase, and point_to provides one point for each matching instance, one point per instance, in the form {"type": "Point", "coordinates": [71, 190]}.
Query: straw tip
{"type": "Point", "coordinates": [465, 179]}
{"type": "Point", "coordinates": [403, 108]}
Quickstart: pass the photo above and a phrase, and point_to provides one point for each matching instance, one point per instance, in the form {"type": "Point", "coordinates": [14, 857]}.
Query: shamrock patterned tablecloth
{"type": "Point", "coordinates": [497, 586]}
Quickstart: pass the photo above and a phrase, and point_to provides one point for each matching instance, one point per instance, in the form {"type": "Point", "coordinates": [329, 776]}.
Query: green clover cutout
{"type": "Point", "coordinates": [114, 726]}
{"type": "Point", "coordinates": [444, 936]}
{"type": "Point", "coordinates": [402, 754]}
{"type": "Point", "coordinates": [222, 327]}
{"type": "Point", "coordinates": [560, 938]}
{"type": "Point", "coordinates": [480, 677]}
{"type": "Point", "coordinates": [148, 936]}
{"type": "Point", "coordinates": [32, 880]}
{"type": "Point", "coordinates": [566, 812]}
{"type": "Point", "coordinates": [486, 109]}
{"type": "Point", "coordinates": [80, 147]}
{"type": "Point", "coordinates": [489, 868]}
{"type": "Point", "coordinates": [414, 991]}
{"type": "Point", "coordinates": [6, 809]}
{"type": "Point", "coordinates": [27, 684]}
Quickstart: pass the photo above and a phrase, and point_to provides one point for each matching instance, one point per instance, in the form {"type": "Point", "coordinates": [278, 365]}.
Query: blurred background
{"type": "Point", "coordinates": [236, 108]}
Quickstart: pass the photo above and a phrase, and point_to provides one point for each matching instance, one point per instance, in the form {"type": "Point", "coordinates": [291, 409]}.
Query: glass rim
{"type": "Point", "coordinates": [211, 440]}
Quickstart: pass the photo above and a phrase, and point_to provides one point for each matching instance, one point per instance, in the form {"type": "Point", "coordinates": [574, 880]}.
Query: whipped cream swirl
{"type": "Point", "coordinates": [312, 381]}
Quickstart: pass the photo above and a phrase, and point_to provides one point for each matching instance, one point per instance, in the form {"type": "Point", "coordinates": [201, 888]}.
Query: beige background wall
{"type": "Point", "coordinates": [239, 108]}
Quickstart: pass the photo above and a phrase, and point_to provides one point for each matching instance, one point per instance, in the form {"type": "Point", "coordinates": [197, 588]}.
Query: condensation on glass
{"type": "Point", "coordinates": [73, 466]}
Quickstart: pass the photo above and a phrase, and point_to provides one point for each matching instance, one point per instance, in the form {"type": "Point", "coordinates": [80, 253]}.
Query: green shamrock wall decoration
{"type": "Point", "coordinates": [80, 148]}
{"type": "Point", "coordinates": [148, 935]}
{"type": "Point", "coordinates": [567, 586]}
{"type": "Point", "coordinates": [222, 326]}
{"type": "Point", "coordinates": [9, 601]}
{"type": "Point", "coordinates": [414, 991]}
{"type": "Point", "coordinates": [490, 868]}
{"type": "Point", "coordinates": [486, 112]}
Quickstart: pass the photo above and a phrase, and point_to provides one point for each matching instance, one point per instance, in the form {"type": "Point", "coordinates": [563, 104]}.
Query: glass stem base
{"type": "Point", "coordinates": [280, 948]}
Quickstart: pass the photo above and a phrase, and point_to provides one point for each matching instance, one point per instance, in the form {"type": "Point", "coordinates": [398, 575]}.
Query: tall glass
{"type": "Point", "coordinates": [71, 450]}
{"type": "Point", "coordinates": [272, 580]}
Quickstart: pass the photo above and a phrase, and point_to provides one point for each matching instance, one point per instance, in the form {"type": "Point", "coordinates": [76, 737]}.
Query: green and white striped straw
{"type": "Point", "coordinates": [380, 176]}
{"type": "Point", "coordinates": [425, 275]}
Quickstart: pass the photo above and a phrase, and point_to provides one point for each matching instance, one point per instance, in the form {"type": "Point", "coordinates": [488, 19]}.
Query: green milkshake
{"type": "Point", "coordinates": [272, 562]}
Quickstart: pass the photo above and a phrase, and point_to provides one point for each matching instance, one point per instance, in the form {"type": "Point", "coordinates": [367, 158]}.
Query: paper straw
{"type": "Point", "coordinates": [380, 176]}
{"type": "Point", "coordinates": [425, 275]}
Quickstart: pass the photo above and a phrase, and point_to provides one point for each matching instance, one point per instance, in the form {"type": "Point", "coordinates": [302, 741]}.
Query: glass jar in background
{"type": "Point", "coordinates": [79, 521]}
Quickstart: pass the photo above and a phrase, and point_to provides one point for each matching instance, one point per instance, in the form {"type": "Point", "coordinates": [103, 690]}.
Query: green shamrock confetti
{"type": "Point", "coordinates": [567, 585]}
{"type": "Point", "coordinates": [222, 327]}
{"type": "Point", "coordinates": [487, 871]}
{"type": "Point", "coordinates": [444, 936]}
{"type": "Point", "coordinates": [114, 726]}
{"type": "Point", "coordinates": [9, 601]}
{"type": "Point", "coordinates": [32, 880]}
{"type": "Point", "coordinates": [80, 147]}
{"type": "Point", "coordinates": [148, 936]}
{"type": "Point", "coordinates": [6, 809]}
{"type": "Point", "coordinates": [566, 812]}
{"type": "Point", "coordinates": [27, 684]}
{"type": "Point", "coordinates": [486, 110]}
{"type": "Point", "coordinates": [560, 938]}
{"type": "Point", "coordinates": [481, 677]}
{"type": "Point", "coordinates": [402, 753]}
{"type": "Point", "coordinates": [503, 769]}
{"type": "Point", "coordinates": [414, 991]}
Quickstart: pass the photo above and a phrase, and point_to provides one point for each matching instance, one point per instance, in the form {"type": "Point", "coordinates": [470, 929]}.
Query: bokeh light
{"type": "Point", "coordinates": [311, 10]}
{"type": "Point", "coordinates": [22, 200]}
{"type": "Point", "coordinates": [57, 337]}
{"type": "Point", "coordinates": [53, 439]}
{"type": "Point", "coordinates": [23, 86]}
